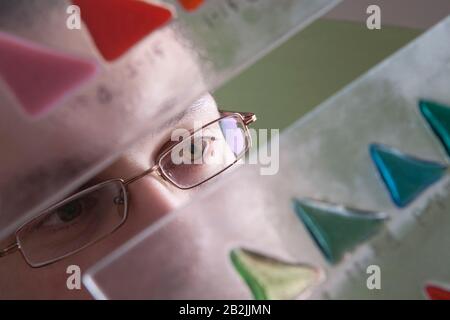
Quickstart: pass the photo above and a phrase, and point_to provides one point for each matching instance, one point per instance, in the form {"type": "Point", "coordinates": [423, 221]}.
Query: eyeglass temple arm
{"type": "Point", "coordinates": [9, 249]}
{"type": "Point", "coordinates": [248, 117]}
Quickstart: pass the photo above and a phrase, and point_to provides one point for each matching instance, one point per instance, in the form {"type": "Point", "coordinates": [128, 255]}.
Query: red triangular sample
{"type": "Point", "coordinates": [437, 293]}
{"type": "Point", "coordinates": [118, 25]}
{"type": "Point", "coordinates": [191, 5]}
{"type": "Point", "coordinates": [40, 77]}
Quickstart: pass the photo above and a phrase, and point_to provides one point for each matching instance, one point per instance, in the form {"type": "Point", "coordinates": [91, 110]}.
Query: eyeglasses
{"type": "Point", "coordinates": [93, 213]}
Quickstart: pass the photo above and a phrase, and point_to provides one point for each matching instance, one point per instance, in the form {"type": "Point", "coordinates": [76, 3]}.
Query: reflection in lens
{"type": "Point", "coordinates": [234, 135]}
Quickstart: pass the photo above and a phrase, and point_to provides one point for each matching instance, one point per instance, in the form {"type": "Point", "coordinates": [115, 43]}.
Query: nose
{"type": "Point", "coordinates": [150, 199]}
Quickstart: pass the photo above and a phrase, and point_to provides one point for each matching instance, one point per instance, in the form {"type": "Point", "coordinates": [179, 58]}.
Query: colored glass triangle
{"type": "Point", "coordinates": [191, 5]}
{"type": "Point", "coordinates": [437, 293]}
{"type": "Point", "coordinates": [40, 77]}
{"type": "Point", "coordinates": [405, 177]}
{"type": "Point", "coordinates": [118, 25]}
{"type": "Point", "coordinates": [271, 279]}
{"type": "Point", "coordinates": [336, 229]}
{"type": "Point", "coordinates": [438, 117]}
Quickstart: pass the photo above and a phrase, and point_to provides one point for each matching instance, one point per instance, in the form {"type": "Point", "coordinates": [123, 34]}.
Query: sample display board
{"type": "Point", "coordinates": [362, 189]}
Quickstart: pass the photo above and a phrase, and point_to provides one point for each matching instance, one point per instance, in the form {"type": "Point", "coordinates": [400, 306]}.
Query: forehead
{"type": "Point", "coordinates": [144, 153]}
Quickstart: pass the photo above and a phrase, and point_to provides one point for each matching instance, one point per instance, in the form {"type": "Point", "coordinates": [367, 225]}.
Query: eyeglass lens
{"type": "Point", "coordinates": [74, 224]}
{"type": "Point", "coordinates": [206, 153]}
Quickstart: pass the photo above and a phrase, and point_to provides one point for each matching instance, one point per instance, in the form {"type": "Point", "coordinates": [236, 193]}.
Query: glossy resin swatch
{"type": "Point", "coordinates": [273, 279]}
{"type": "Point", "coordinates": [438, 117]}
{"type": "Point", "coordinates": [337, 229]}
{"type": "Point", "coordinates": [434, 292]}
{"type": "Point", "coordinates": [40, 77]}
{"type": "Point", "coordinates": [405, 176]}
{"type": "Point", "coordinates": [118, 25]}
{"type": "Point", "coordinates": [191, 5]}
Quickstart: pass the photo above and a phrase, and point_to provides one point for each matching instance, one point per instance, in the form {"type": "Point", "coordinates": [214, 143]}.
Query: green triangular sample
{"type": "Point", "coordinates": [405, 176]}
{"type": "Point", "coordinates": [337, 229]}
{"type": "Point", "coordinates": [272, 279]}
{"type": "Point", "coordinates": [438, 117]}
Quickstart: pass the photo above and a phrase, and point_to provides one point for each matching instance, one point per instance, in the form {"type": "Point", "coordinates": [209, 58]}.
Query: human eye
{"type": "Point", "coordinates": [70, 213]}
{"type": "Point", "coordinates": [197, 149]}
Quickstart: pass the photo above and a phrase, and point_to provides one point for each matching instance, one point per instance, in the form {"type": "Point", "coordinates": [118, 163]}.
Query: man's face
{"type": "Point", "coordinates": [118, 105]}
{"type": "Point", "coordinates": [150, 199]}
{"type": "Point", "coordinates": [134, 95]}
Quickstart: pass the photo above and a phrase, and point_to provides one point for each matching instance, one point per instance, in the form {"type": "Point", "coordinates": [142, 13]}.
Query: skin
{"type": "Point", "coordinates": [151, 198]}
{"type": "Point", "coordinates": [126, 84]}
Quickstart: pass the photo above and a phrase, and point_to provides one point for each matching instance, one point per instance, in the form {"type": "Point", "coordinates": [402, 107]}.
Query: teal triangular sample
{"type": "Point", "coordinates": [337, 229]}
{"type": "Point", "coordinates": [438, 117]}
{"type": "Point", "coordinates": [405, 176]}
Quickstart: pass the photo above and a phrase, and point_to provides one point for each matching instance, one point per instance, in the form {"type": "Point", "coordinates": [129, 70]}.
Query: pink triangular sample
{"type": "Point", "coordinates": [40, 77]}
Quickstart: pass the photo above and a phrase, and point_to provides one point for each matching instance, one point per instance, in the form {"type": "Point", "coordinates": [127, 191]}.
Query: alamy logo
{"type": "Point", "coordinates": [373, 22]}
{"type": "Point", "coordinates": [374, 280]}
{"type": "Point", "coordinates": [74, 280]}
{"type": "Point", "coordinates": [219, 146]}
{"type": "Point", "coordinates": [73, 22]}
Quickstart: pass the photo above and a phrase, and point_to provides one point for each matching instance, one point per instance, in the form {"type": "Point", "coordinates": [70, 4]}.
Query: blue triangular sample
{"type": "Point", "coordinates": [405, 176]}
{"type": "Point", "coordinates": [438, 117]}
{"type": "Point", "coordinates": [337, 229]}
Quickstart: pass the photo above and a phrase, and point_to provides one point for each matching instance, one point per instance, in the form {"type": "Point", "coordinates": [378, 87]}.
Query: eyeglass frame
{"type": "Point", "coordinates": [247, 119]}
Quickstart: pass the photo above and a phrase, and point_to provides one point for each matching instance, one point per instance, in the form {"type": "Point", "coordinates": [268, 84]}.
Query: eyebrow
{"type": "Point", "coordinates": [55, 173]}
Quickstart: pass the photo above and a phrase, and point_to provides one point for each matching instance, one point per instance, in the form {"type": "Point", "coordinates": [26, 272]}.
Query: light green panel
{"type": "Point", "coordinates": [309, 68]}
